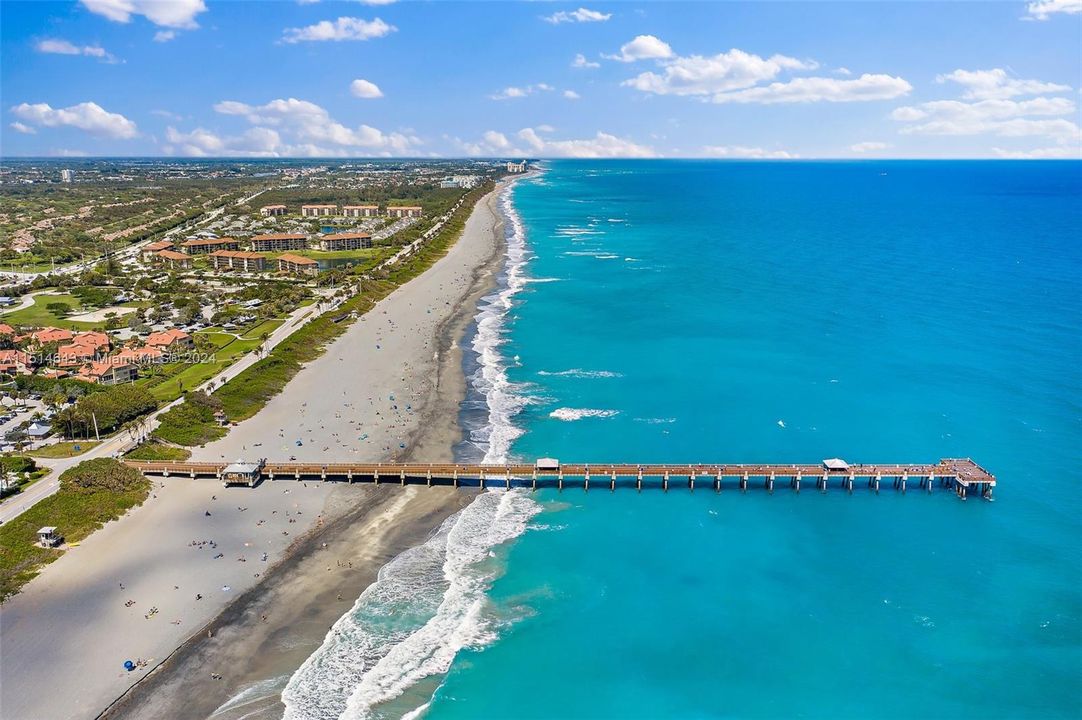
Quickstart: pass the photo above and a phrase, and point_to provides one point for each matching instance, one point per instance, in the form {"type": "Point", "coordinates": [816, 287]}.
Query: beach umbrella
{"type": "Point", "coordinates": [129, 665]}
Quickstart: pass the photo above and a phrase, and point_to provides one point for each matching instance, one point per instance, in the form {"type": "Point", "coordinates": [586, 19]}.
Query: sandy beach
{"type": "Point", "coordinates": [214, 604]}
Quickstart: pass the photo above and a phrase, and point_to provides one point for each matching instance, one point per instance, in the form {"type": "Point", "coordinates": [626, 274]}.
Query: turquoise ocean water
{"type": "Point", "coordinates": [744, 312]}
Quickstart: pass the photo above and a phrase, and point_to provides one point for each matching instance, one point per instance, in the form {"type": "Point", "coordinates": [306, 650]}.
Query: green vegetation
{"type": "Point", "coordinates": [109, 409]}
{"type": "Point", "coordinates": [19, 471]}
{"type": "Point", "coordinates": [64, 449]}
{"type": "Point", "coordinates": [192, 422]}
{"type": "Point", "coordinates": [91, 494]}
{"type": "Point", "coordinates": [157, 452]}
{"type": "Point", "coordinates": [45, 312]}
{"type": "Point", "coordinates": [247, 393]}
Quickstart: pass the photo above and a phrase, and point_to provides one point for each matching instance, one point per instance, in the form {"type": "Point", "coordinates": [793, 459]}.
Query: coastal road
{"type": "Point", "coordinates": [121, 442]}
{"type": "Point", "coordinates": [17, 504]}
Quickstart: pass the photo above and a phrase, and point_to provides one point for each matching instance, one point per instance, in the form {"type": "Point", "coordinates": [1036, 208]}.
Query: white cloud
{"type": "Point", "coordinates": [1059, 151]}
{"type": "Point", "coordinates": [513, 92]}
{"type": "Point", "coordinates": [344, 28]}
{"type": "Point", "coordinates": [66, 152]}
{"type": "Point", "coordinates": [821, 89]}
{"type": "Point", "coordinates": [571, 95]}
{"type": "Point", "coordinates": [254, 142]}
{"type": "Point", "coordinates": [58, 46]}
{"type": "Point", "coordinates": [1042, 9]}
{"type": "Point", "coordinates": [737, 76]}
{"type": "Point", "coordinates": [312, 130]}
{"type": "Point", "coordinates": [990, 111]}
{"type": "Point", "coordinates": [164, 36]}
{"type": "Point", "coordinates": [24, 129]}
{"type": "Point", "coordinates": [365, 89]}
{"type": "Point", "coordinates": [580, 61]}
{"type": "Point", "coordinates": [868, 146]}
{"type": "Point", "coordinates": [87, 116]}
{"type": "Point", "coordinates": [643, 47]}
{"type": "Point", "coordinates": [698, 75]}
{"type": "Point", "coordinates": [529, 142]}
{"type": "Point", "coordinates": [581, 15]}
{"type": "Point", "coordinates": [166, 114]}
{"type": "Point", "coordinates": [994, 84]}
{"type": "Point", "coordinates": [843, 71]}
{"type": "Point", "coordinates": [166, 13]}
{"type": "Point", "coordinates": [753, 153]}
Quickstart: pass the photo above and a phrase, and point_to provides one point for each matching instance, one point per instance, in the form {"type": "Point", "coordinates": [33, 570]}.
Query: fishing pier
{"type": "Point", "coordinates": [961, 475]}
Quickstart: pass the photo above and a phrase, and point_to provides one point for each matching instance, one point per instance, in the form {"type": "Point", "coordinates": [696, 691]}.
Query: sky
{"type": "Point", "coordinates": [771, 80]}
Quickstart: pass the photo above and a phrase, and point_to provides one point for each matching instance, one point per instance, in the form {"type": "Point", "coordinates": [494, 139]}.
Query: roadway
{"type": "Point", "coordinates": [121, 442]}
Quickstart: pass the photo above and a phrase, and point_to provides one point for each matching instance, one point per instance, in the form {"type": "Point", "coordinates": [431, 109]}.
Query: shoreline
{"type": "Point", "coordinates": [255, 657]}
{"type": "Point", "coordinates": [151, 555]}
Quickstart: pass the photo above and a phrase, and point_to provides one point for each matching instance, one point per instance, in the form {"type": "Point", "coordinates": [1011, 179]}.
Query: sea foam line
{"type": "Point", "coordinates": [428, 603]}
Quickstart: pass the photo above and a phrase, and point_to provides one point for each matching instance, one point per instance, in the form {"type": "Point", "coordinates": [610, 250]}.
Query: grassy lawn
{"type": "Point", "coordinates": [359, 256]}
{"type": "Point", "coordinates": [156, 452]}
{"type": "Point", "coordinates": [267, 326]}
{"type": "Point", "coordinates": [75, 512]}
{"type": "Point", "coordinates": [63, 449]}
{"type": "Point", "coordinates": [188, 377]}
{"type": "Point", "coordinates": [38, 315]}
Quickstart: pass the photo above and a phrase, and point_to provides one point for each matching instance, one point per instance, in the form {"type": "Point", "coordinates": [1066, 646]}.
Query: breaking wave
{"type": "Point", "coordinates": [429, 602]}
{"type": "Point", "coordinates": [572, 414]}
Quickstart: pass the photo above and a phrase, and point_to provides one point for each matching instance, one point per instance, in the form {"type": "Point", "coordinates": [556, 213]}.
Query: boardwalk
{"type": "Point", "coordinates": [960, 474]}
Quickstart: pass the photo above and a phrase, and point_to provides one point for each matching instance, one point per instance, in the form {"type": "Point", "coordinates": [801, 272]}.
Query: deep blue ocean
{"type": "Point", "coordinates": [877, 311]}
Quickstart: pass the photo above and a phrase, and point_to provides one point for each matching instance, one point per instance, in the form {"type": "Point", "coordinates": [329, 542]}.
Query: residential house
{"type": "Point", "coordinates": [140, 356]}
{"type": "Point", "coordinates": [109, 372]}
{"type": "Point", "coordinates": [51, 335]}
{"type": "Point", "coordinates": [170, 341]}
{"type": "Point", "coordinates": [16, 362]}
{"type": "Point", "coordinates": [297, 265]}
{"type": "Point", "coordinates": [279, 242]}
{"type": "Point", "coordinates": [345, 241]}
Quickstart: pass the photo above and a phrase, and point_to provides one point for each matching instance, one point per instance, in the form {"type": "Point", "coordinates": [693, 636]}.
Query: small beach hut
{"type": "Point", "coordinates": [241, 473]}
{"type": "Point", "coordinates": [48, 537]}
{"type": "Point", "coordinates": [835, 465]}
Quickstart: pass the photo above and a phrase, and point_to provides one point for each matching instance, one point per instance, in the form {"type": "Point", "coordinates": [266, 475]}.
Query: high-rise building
{"type": "Point", "coordinates": [66, 175]}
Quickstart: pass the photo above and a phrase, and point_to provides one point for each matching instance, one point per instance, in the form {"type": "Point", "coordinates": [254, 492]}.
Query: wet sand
{"type": "Point", "coordinates": [275, 611]}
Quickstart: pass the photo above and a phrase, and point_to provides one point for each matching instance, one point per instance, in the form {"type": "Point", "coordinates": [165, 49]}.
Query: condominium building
{"type": "Point", "coordinates": [278, 243]}
{"type": "Point", "coordinates": [150, 250]}
{"type": "Point", "coordinates": [360, 210]}
{"type": "Point", "coordinates": [297, 265]}
{"type": "Point", "coordinates": [202, 246]}
{"type": "Point", "coordinates": [319, 210]}
{"type": "Point", "coordinates": [404, 211]}
{"type": "Point", "coordinates": [516, 167]}
{"type": "Point", "coordinates": [237, 260]}
{"type": "Point", "coordinates": [110, 371]}
{"type": "Point", "coordinates": [269, 210]}
{"type": "Point", "coordinates": [174, 259]}
{"type": "Point", "coordinates": [345, 241]}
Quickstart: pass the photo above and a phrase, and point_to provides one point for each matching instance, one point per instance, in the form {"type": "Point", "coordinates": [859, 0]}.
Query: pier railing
{"type": "Point", "coordinates": [959, 474]}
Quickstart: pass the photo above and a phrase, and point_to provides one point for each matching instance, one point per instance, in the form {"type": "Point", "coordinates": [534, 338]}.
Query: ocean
{"type": "Point", "coordinates": [697, 311]}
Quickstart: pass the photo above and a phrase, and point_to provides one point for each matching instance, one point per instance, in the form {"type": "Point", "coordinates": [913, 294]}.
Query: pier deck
{"type": "Point", "coordinates": [959, 474]}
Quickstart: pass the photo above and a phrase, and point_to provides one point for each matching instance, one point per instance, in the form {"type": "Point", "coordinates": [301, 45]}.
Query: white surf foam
{"type": "Point", "coordinates": [573, 414]}
{"type": "Point", "coordinates": [428, 603]}
{"type": "Point", "coordinates": [579, 373]}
